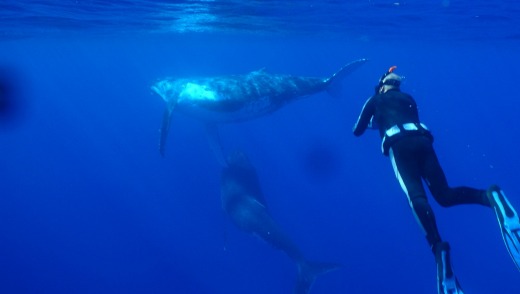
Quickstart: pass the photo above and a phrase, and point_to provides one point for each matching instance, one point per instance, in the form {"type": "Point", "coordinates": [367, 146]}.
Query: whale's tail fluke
{"type": "Point", "coordinates": [308, 272]}
{"type": "Point", "coordinates": [334, 82]}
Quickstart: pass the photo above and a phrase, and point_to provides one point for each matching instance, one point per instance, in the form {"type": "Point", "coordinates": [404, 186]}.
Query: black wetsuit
{"type": "Point", "coordinates": [413, 157]}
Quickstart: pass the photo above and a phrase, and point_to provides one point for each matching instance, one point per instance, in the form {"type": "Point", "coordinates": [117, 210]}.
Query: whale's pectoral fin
{"type": "Point", "coordinates": [214, 143]}
{"type": "Point", "coordinates": [164, 129]}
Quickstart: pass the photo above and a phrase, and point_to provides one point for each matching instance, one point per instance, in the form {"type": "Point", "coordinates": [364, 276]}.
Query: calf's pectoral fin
{"type": "Point", "coordinates": [214, 143]}
{"type": "Point", "coordinates": [165, 127]}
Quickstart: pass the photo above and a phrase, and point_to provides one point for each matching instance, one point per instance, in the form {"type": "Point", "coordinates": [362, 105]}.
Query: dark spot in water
{"type": "Point", "coordinates": [322, 161]}
{"type": "Point", "coordinates": [10, 96]}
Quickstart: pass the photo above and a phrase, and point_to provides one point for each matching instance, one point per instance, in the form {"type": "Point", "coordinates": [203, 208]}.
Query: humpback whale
{"type": "Point", "coordinates": [238, 98]}
{"type": "Point", "coordinates": [243, 200]}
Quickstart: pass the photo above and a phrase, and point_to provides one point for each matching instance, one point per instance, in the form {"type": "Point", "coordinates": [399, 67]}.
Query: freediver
{"type": "Point", "coordinates": [409, 144]}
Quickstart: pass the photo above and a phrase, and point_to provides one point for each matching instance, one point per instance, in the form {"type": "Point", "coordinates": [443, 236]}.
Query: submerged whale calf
{"type": "Point", "coordinates": [239, 97]}
{"type": "Point", "coordinates": [243, 201]}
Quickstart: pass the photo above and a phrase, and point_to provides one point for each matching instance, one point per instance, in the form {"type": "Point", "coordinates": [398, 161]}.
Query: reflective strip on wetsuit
{"type": "Point", "coordinates": [396, 129]}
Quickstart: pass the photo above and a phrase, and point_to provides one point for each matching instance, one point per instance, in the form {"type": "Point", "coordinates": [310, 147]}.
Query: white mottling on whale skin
{"type": "Point", "coordinates": [193, 91]}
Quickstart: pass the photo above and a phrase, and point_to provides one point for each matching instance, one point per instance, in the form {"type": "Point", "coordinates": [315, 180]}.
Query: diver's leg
{"type": "Point", "coordinates": [447, 282]}
{"type": "Point", "coordinates": [407, 172]}
{"type": "Point", "coordinates": [407, 159]}
{"type": "Point", "coordinates": [494, 197]}
{"type": "Point", "coordinates": [436, 180]}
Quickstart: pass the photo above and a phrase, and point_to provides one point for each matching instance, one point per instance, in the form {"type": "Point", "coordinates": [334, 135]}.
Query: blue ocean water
{"type": "Point", "coordinates": [89, 206]}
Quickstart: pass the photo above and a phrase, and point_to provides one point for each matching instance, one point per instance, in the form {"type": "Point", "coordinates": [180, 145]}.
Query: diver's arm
{"type": "Point", "coordinates": [365, 118]}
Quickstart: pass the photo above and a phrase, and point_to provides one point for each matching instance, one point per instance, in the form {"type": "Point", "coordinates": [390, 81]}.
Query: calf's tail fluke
{"type": "Point", "coordinates": [308, 272]}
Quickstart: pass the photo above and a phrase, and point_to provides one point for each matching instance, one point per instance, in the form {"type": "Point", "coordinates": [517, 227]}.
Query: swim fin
{"type": "Point", "coordinates": [508, 221]}
{"type": "Point", "coordinates": [447, 282]}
